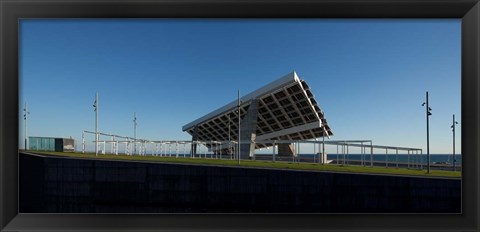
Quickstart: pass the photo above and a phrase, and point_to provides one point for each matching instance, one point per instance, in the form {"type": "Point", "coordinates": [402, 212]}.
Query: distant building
{"type": "Point", "coordinates": [285, 109]}
{"type": "Point", "coordinates": [51, 144]}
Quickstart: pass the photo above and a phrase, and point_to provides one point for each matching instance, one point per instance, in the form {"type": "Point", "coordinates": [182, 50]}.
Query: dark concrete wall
{"type": "Point", "coordinates": [285, 149]}
{"type": "Point", "coordinates": [75, 185]}
{"type": "Point", "coordinates": [248, 131]}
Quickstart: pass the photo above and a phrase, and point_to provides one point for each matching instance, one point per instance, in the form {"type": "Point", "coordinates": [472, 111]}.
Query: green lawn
{"type": "Point", "coordinates": [267, 164]}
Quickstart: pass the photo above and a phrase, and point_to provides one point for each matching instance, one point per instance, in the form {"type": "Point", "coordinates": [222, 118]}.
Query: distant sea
{"type": "Point", "coordinates": [402, 158]}
{"type": "Point", "coordinates": [434, 158]}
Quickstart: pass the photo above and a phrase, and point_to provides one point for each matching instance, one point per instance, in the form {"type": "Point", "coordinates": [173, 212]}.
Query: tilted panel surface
{"type": "Point", "coordinates": [287, 110]}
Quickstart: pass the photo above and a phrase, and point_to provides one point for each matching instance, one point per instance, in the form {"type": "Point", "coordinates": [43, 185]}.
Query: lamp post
{"type": "Point", "coordinates": [453, 132]}
{"type": "Point", "coordinates": [238, 108]}
{"type": "Point", "coordinates": [95, 105]}
{"type": "Point", "coordinates": [25, 117]}
{"type": "Point", "coordinates": [135, 132]}
{"type": "Point", "coordinates": [229, 138]}
{"type": "Point", "coordinates": [428, 114]}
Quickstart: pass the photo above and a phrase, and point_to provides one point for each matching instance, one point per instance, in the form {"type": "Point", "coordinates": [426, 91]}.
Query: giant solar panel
{"type": "Point", "coordinates": [287, 110]}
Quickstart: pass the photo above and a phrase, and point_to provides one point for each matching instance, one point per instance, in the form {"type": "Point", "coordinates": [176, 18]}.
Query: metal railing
{"type": "Point", "coordinates": [309, 151]}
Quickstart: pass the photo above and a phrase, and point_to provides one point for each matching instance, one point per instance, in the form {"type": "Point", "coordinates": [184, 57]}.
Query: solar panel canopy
{"type": "Point", "coordinates": [284, 109]}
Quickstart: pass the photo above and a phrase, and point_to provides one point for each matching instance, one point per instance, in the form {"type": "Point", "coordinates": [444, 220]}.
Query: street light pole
{"type": "Point", "coordinates": [453, 131]}
{"type": "Point", "coordinates": [134, 132]}
{"type": "Point", "coordinates": [238, 108]}
{"type": "Point", "coordinates": [95, 105]}
{"type": "Point", "coordinates": [428, 114]}
{"type": "Point", "coordinates": [229, 139]}
{"type": "Point", "coordinates": [25, 117]}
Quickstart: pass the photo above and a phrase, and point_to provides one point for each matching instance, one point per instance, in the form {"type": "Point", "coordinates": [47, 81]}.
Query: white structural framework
{"type": "Point", "coordinates": [178, 149]}
{"type": "Point", "coordinates": [129, 144]}
{"type": "Point", "coordinates": [285, 109]}
{"type": "Point", "coordinates": [145, 147]}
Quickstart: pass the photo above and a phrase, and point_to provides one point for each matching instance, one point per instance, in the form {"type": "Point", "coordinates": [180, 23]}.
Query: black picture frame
{"type": "Point", "coordinates": [13, 10]}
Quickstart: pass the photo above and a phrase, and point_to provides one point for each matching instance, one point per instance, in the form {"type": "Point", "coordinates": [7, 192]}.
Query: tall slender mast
{"type": "Point", "coordinates": [135, 132]}
{"type": "Point", "coordinates": [238, 107]}
{"type": "Point", "coordinates": [453, 130]}
{"type": "Point", "coordinates": [428, 114]}
{"type": "Point", "coordinates": [229, 139]}
{"type": "Point", "coordinates": [427, 109]}
{"type": "Point", "coordinates": [25, 117]}
{"type": "Point", "coordinates": [96, 123]}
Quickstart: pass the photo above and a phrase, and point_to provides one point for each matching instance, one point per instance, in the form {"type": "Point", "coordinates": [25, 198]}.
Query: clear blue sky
{"type": "Point", "coordinates": [369, 76]}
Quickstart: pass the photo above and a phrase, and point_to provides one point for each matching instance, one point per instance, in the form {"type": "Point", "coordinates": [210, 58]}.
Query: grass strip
{"type": "Point", "coordinates": [265, 164]}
